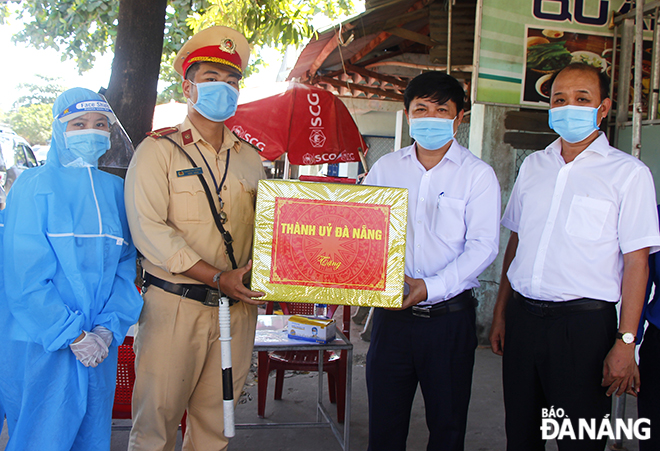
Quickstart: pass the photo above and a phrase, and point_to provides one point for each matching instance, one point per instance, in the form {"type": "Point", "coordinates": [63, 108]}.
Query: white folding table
{"type": "Point", "coordinates": [271, 336]}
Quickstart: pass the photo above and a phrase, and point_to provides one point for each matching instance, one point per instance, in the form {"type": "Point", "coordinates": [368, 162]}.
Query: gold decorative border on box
{"type": "Point", "coordinates": [379, 286]}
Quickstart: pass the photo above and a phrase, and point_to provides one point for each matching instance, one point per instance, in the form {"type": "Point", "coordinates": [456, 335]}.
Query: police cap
{"type": "Point", "coordinates": [217, 44]}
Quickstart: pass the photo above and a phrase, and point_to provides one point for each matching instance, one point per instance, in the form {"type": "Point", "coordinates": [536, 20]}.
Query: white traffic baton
{"type": "Point", "coordinates": [227, 379]}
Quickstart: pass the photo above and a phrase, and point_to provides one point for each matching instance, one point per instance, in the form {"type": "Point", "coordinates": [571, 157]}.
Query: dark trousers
{"type": "Point", "coordinates": [648, 400]}
{"type": "Point", "coordinates": [554, 361]}
{"type": "Point", "coordinates": [436, 353]}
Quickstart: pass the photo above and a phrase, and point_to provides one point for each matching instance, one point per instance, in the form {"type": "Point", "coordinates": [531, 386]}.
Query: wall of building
{"type": "Point", "coordinates": [650, 149]}
{"type": "Point", "coordinates": [487, 142]}
{"type": "Point", "coordinates": [503, 137]}
{"type": "Point", "coordinates": [376, 123]}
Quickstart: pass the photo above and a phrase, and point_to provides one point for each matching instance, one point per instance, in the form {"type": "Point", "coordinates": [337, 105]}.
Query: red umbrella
{"type": "Point", "coordinates": [312, 125]}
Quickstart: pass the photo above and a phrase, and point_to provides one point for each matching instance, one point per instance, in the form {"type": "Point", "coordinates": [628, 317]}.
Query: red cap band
{"type": "Point", "coordinates": [224, 54]}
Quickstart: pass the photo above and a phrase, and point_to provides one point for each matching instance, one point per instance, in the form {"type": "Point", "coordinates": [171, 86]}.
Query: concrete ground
{"type": "Point", "coordinates": [485, 429]}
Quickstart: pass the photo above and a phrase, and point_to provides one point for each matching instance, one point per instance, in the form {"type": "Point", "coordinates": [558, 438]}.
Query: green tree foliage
{"type": "Point", "coordinates": [168, 76]}
{"type": "Point", "coordinates": [31, 115]}
{"type": "Point", "coordinates": [44, 91]}
{"type": "Point", "coordinates": [82, 29]}
{"type": "Point", "coordinates": [4, 13]}
{"type": "Point", "coordinates": [265, 23]}
{"type": "Point", "coordinates": [32, 122]}
{"type": "Point", "coordinates": [273, 23]}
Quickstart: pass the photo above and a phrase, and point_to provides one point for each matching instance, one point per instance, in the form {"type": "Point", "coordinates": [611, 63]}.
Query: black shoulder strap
{"type": "Point", "coordinates": [226, 236]}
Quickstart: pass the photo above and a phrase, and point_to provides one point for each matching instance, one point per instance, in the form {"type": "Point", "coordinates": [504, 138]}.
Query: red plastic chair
{"type": "Point", "coordinates": [334, 364]}
{"type": "Point", "coordinates": [121, 408]}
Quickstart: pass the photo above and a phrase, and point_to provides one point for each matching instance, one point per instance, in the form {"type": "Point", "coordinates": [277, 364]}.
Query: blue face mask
{"type": "Point", "coordinates": [216, 100]}
{"type": "Point", "coordinates": [85, 147]}
{"type": "Point", "coordinates": [573, 123]}
{"type": "Point", "coordinates": [432, 132]}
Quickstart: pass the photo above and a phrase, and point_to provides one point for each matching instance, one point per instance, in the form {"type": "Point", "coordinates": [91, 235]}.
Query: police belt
{"type": "Point", "coordinates": [197, 292]}
{"type": "Point", "coordinates": [554, 309]}
{"type": "Point", "coordinates": [456, 304]}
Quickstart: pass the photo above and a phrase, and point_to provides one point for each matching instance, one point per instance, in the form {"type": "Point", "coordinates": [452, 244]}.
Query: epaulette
{"type": "Point", "coordinates": [162, 132]}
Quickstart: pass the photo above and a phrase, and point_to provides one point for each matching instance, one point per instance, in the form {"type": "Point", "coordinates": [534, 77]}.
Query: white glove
{"type": "Point", "coordinates": [104, 333]}
{"type": "Point", "coordinates": [91, 350]}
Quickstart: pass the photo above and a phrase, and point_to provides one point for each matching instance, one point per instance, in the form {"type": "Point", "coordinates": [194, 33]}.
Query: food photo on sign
{"type": "Point", "coordinates": [335, 243]}
{"type": "Point", "coordinates": [550, 50]}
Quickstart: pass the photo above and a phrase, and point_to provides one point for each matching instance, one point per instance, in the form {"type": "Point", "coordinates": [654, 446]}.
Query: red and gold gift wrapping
{"type": "Point", "coordinates": [330, 243]}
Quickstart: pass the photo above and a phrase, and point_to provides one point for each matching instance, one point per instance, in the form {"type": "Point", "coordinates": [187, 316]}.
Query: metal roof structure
{"type": "Point", "coordinates": [375, 54]}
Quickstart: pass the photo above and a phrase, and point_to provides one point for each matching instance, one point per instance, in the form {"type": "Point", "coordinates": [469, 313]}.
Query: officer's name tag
{"type": "Point", "coordinates": [187, 172]}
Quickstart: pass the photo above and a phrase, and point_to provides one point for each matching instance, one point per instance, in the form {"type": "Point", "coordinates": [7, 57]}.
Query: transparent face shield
{"type": "Point", "coordinates": [121, 150]}
{"type": "Point", "coordinates": [116, 159]}
{"type": "Point", "coordinates": [3, 198]}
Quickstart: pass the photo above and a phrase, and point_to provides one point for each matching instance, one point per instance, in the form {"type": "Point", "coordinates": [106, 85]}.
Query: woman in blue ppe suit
{"type": "Point", "coordinates": [69, 270]}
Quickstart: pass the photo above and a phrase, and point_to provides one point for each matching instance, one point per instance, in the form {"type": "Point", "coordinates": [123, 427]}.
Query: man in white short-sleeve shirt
{"type": "Point", "coordinates": [583, 219]}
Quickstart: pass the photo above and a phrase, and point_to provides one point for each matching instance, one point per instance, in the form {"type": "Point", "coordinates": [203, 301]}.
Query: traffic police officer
{"type": "Point", "coordinates": [190, 196]}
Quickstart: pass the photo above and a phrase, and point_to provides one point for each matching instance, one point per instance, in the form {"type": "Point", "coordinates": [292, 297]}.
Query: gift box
{"type": "Point", "coordinates": [314, 329]}
{"type": "Point", "coordinates": [330, 243]}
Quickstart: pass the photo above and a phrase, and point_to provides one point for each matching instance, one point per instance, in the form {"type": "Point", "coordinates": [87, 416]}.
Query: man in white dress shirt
{"type": "Point", "coordinates": [583, 218]}
{"type": "Point", "coordinates": [452, 236]}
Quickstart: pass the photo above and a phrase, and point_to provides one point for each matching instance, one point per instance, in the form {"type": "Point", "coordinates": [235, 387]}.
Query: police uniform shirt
{"type": "Point", "coordinates": [168, 210]}
{"type": "Point", "coordinates": [576, 220]}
